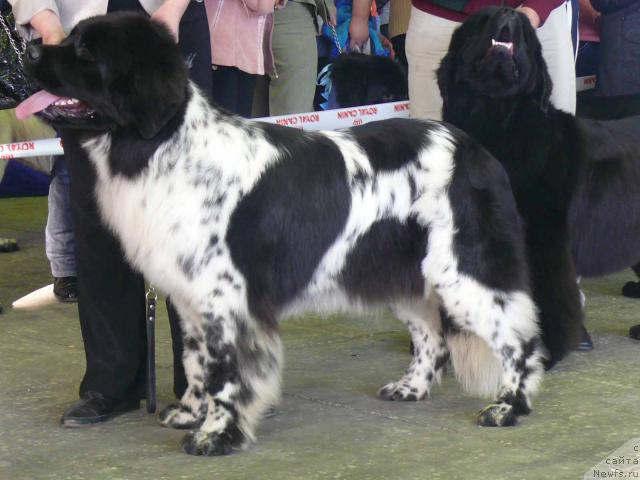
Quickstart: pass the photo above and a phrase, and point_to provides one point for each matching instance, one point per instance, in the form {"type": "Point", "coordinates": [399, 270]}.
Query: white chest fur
{"type": "Point", "coordinates": [167, 216]}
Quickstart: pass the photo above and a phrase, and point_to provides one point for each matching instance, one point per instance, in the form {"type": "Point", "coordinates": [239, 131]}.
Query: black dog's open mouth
{"type": "Point", "coordinates": [500, 56]}
{"type": "Point", "coordinates": [503, 46]}
{"type": "Point", "coordinates": [502, 40]}
{"type": "Point", "coordinates": [499, 61]}
{"type": "Point", "coordinates": [52, 107]}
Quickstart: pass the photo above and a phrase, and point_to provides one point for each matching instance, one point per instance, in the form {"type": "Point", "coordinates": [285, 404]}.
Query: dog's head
{"type": "Point", "coordinates": [113, 71]}
{"type": "Point", "coordinates": [361, 79]}
{"type": "Point", "coordinates": [495, 53]}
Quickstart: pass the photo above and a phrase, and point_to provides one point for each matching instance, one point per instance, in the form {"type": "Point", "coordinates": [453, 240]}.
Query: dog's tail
{"type": "Point", "coordinates": [475, 365]}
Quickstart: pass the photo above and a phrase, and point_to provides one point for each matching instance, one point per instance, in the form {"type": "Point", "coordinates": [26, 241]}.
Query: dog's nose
{"type": "Point", "coordinates": [34, 52]}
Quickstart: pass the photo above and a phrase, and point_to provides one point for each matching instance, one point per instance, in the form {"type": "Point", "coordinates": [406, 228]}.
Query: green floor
{"type": "Point", "coordinates": [329, 425]}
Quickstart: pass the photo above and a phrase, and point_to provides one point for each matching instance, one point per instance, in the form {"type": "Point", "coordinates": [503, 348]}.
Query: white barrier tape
{"type": "Point", "coordinates": [325, 120]}
{"type": "Point", "coordinates": [31, 148]}
{"type": "Point", "coordinates": [585, 83]}
{"type": "Point", "coordinates": [342, 117]}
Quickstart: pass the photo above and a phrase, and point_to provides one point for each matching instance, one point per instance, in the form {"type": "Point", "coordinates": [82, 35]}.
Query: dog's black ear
{"type": "Point", "coordinates": [156, 99]}
{"type": "Point", "coordinates": [446, 72]}
{"type": "Point", "coordinates": [544, 84]}
{"type": "Point", "coordinates": [155, 87]}
{"type": "Point", "coordinates": [446, 75]}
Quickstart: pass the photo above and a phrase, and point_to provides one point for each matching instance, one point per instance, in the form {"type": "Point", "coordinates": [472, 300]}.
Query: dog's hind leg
{"type": "Point", "coordinates": [243, 363]}
{"type": "Point", "coordinates": [507, 323]}
{"type": "Point", "coordinates": [430, 353]}
{"type": "Point", "coordinates": [475, 264]}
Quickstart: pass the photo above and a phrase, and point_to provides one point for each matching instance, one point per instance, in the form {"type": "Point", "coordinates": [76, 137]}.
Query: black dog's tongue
{"type": "Point", "coordinates": [35, 103]}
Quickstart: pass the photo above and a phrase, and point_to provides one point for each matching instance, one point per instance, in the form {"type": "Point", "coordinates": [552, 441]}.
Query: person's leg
{"type": "Point", "coordinates": [233, 90]}
{"type": "Point", "coordinates": [398, 43]}
{"type": "Point", "coordinates": [179, 376]}
{"type": "Point", "coordinates": [111, 295]}
{"type": "Point", "coordinates": [557, 50]}
{"type": "Point", "coordinates": [427, 42]}
{"type": "Point", "coordinates": [110, 299]}
{"type": "Point", "coordinates": [586, 63]}
{"type": "Point", "coordinates": [110, 306]}
{"type": "Point", "coordinates": [225, 87]}
{"type": "Point", "coordinates": [59, 237]}
{"type": "Point", "coordinates": [295, 51]}
{"type": "Point", "coordinates": [246, 88]}
{"type": "Point", "coordinates": [195, 45]}
{"type": "Point", "coordinates": [575, 26]}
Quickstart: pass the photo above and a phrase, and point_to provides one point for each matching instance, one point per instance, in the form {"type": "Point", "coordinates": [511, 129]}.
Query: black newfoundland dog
{"type": "Point", "coordinates": [361, 79]}
{"type": "Point", "coordinates": [244, 223]}
{"type": "Point", "coordinates": [575, 180]}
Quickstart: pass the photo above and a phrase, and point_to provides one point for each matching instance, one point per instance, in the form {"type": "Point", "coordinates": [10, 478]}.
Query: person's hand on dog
{"type": "Point", "coordinates": [170, 13]}
{"type": "Point", "coordinates": [531, 14]}
{"type": "Point", "coordinates": [48, 26]}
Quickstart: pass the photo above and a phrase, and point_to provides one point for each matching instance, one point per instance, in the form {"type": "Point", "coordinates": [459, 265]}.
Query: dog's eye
{"type": "Point", "coordinates": [83, 53]}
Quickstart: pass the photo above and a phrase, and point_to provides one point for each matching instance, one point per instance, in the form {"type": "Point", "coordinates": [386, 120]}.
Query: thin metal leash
{"type": "Point", "coordinates": [23, 43]}
{"type": "Point", "coordinates": [334, 33]}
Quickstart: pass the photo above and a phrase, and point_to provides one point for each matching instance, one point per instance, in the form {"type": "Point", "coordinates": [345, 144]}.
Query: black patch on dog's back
{"type": "Point", "coordinates": [489, 238]}
{"type": "Point", "coordinates": [611, 107]}
{"type": "Point", "coordinates": [605, 211]}
{"type": "Point", "coordinates": [391, 144]}
{"type": "Point", "coordinates": [385, 261]}
{"type": "Point", "coordinates": [283, 227]}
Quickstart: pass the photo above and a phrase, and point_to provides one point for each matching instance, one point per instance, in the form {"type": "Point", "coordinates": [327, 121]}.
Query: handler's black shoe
{"type": "Point", "coordinates": [94, 408]}
{"type": "Point", "coordinates": [66, 289]}
{"type": "Point", "coordinates": [634, 332]}
{"type": "Point", "coordinates": [631, 289]}
{"type": "Point", "coordinates": [586, 344]}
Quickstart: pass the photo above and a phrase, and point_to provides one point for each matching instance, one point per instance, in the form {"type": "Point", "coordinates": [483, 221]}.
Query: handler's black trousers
{"type": "Point", "coordinates": [111, 296]}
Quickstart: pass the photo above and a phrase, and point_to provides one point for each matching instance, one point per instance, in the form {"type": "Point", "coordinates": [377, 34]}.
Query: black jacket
{"type": "Point", "coordinates": [619, 54]}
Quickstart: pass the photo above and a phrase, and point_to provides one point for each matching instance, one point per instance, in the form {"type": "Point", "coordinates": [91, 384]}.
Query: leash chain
{"type": "Point", "coordinates": [9, 32]}
{"type": "Point", "coordinates": [334, 33]}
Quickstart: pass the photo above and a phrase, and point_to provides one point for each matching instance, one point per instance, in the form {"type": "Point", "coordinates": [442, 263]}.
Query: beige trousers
{"type": "Point", "coordinates": [427, 42]}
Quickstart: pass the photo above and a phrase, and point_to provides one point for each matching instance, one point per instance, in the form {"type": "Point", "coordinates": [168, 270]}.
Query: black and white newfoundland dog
{"type": "Point", "coordinates": [244, 223]}
{"type": "Point", "coordinates": [575, 180]}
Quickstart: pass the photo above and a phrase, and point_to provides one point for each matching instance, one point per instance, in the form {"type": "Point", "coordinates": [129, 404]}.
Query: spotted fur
{"type": "Point", "coordinates": [246, 223]}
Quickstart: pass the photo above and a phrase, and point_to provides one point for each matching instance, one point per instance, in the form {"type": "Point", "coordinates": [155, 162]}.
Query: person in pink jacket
{"type": "Point", "coordinates": [240, 49]}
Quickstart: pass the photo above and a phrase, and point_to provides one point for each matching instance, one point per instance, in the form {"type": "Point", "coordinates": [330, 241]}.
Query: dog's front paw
{"type": "Point", "coordinates": [402, 392]}
{"type": "Point", "coordinates": [208, 444]}
{"type": "Point", "coordinates": [497, 415]}
{"type": "Point", "coordinates": [178, 416]}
